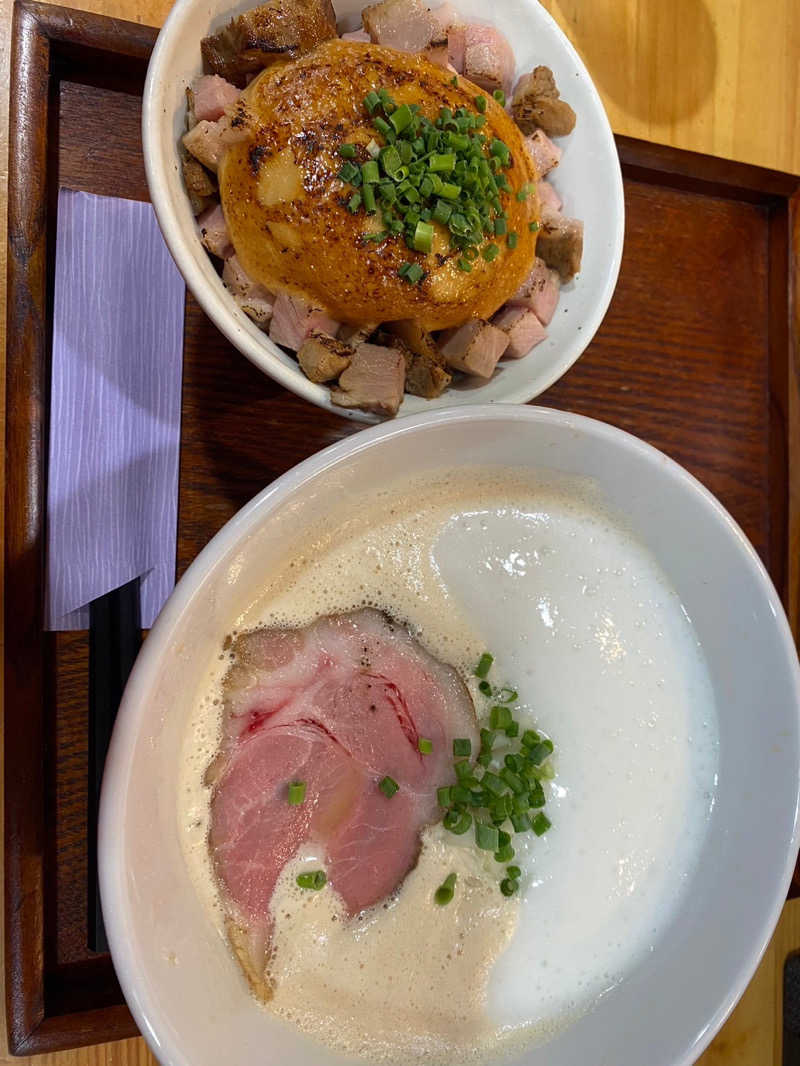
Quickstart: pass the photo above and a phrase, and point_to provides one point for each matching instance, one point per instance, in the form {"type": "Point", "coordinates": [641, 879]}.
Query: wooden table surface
{"type": "Point", "coordinates": [715, 76]}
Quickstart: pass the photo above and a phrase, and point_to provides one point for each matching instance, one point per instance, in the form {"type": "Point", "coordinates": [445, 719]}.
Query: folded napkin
{"type": "Point", "coordinates": [115, 406]}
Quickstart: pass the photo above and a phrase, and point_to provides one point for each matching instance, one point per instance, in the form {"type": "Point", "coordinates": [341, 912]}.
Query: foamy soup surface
{"type": "Point", "coordinates": [583, 623]}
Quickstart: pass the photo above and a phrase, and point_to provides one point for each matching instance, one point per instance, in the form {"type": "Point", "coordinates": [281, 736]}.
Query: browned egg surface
{"type": "Point", "coordinates": [285, 205]}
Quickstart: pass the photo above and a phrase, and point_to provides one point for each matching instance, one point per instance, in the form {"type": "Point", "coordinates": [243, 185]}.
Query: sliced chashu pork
{"type": "Point", "coordinates": [338, 705]}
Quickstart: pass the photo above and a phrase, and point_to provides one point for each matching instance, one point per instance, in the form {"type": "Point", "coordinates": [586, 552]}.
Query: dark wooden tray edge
{"type": "Point", "coordinates": [41, 1018]}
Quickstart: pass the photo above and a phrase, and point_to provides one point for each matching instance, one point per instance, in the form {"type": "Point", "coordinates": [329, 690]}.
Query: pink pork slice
{"type": "Point", "coordinates": [339, 705]}
{"type": "Point", "coordinates": [294, 319]}
{"type": "Point", "coordinates": [473, 348]}
{"type": "Point", "coordinates": [543, 152]}
{"type": "Point", "coordinates": [213, 95]}
{"type": "Point", "coordinates": [214, 232]}
{"type": "Point", "coordinates": [548, 197]}
{"type": "Point", "coordinates": [374, 381]}
{"type": "Point", "coordinates": [357, 35]}
{"type": "Point", "coordinates": [488, 58]}
{"type": "Point", "coordinates": [406, 25]}
{"type": "Point", "coordinates": [539, 292]}
{"type": "Point", "coordinates": [208, 141]}
{"type": "Point", "coordinates": [523, 329]}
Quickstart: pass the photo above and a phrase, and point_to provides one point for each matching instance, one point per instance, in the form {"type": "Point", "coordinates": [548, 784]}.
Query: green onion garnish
{"type": "Point", "coordinates": [485, 688]}
{"type": "Point", "coordinates": [444, 893]}
{"type": "Point", "coordinates": [533, 226]}
{"type": "Point", "coordinates": [514, 872]}
{"type": "Point", "coordinates": [511, 240]}
{"type": "Point", "coordinates": [371, 101]}
{"type": "Point", "coordinates": [314, 880]}
{"type": "Point", "coordinates": [370, 174]}
{"type": "Point", "coordinates": [458, 822]}
{"type": "Point", "coordinates": [500, 97]}
{"type": "Point", "coordinates": [480, 103]}
{"type": "Point", "coordinates": [462, 746]}
{"type": "Point", "coordinates": [354, 202]}
{"type": "Point", "coordinates": [509, 885]}
{"type": "Point", "coordinates": [423, 237]}
{"type": "Point", "coordinates": [297, 792]}
{"type": "Point", "coordinates": [500, 717]}
{"type": "Point", "coordinates": [388, 786]}
{"type": "Point", "coordinates": [486, 836]}
{"type": "Point", "coordinates": [530, 739]}
{"type": "Point", "coordinates": [490, 252]}
{"type": "Point", "coordinates": [512, 730]}
{"type": "Point", "coordinates": [368, 197]}
{"type": "Point", "coordinates": [541, 823]}
{"type": "Point", "coordinates": [444, 796]}
{"type": "Point", "coordinates": [484, 665]}
{"type": "Point", "coordinates": [425, 746]}
{"type": "Point", "coordinates": [504, 854]}
{"type": "Point", "coordinates": [347, 151]}
{"type": "Point", "coordinates": [500, 227]}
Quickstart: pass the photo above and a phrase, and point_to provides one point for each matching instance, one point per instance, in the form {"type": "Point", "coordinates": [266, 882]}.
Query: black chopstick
{"type": "Point", "coordinates": [115, 636]}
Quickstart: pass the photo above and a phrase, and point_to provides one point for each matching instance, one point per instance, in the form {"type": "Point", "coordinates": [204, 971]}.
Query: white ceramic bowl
{"type": "Point", "coordinates": [588, 180]}
{"type": "Point", "coordinates": [183, 987]}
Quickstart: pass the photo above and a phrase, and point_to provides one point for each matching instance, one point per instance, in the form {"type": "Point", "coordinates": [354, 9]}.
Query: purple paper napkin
{"type": "Point", "coordinates": [115, 406]}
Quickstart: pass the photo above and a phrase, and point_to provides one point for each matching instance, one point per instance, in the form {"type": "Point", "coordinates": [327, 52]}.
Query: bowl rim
{"type": "Point", "coordinates": [128, 965]}
{"type": "Point", "coordinates": [262, 351]}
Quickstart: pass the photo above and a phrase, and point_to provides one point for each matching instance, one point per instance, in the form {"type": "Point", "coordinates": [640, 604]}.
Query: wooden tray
{"type": "Point", "coordinates": [695, 356]}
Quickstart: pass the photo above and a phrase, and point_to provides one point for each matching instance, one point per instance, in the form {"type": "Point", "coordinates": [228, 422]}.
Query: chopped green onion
{"type": "Point", "coordinates": [442, 162]}
{"type": "Point", "coordinates": [530, 739]}
{"type": "Point", "coordinates": [504, 854]}
{"type": "Point", "coordinates": [401, 118]}
{"type": "Point", "coordinates": [450, 191]}
{"type": "Point", "coordinates": [297, 792]}
{"type": "Point", "coordinates": [486, 836]}
{"type": "Point", "coordinates": [500, 227]}
{"type": "Point", "coordinates": [458, 822]}
{"type": "Point", "coordinates": [370, 173]}
{"type": "Point", "coordinates": [490, 252]}
{"type": "Point", "coordinates": [541, 823]}
{"type": "Point", "coordinates": [484, 665]}
{"type": "Point", "coordinates": [349, 172]}
{"type": "Point", "coordinates": [371, 101]}
{"type": "Point", "coordinates": [388, 786]}
{"type": "Point", "coordinates": [493, 783]}
{"type": "Point", "coordinates": [509, 885]}
{"type": "Point", "coordinates": [462, 746]}
{"type": "Point", "coordinates": [499, 717]}
{"type": "Point", "coordinates": [485, 688]}
{"type": "Point", "coordinates": [533, 226]}
{"type": "Point", "coordinates": [442, 212]}
{"type": "Point", "coordinates": [511, 240]}
{"type": "Point", "coordinates": [536, 797]}
{"type": "Point", "coordinates": [354, 202]}
{"type": "Point", "coordinates": [539, 752]}
{"type": "Point", "coordinates": [514, 781]}
{"type": "Point", "coordinates": [514, 872]}
{"type": "Point", "coordinates": [368, 196]}
{"type": "Point", "coordinates": [454, 81]}
{"type": "Point", "coordinates": [423, 237]}
{"type": "Point", "coordinates": [462, 796]}
{"type": "Point", "coordinates": [381, 125]}
{"type": "Point", "coordinates": [347, 151]}
{"type": "Point", "coordinates": [413, 273]}
{"type": "Point", "coordinates": [444, 796]}
{"type": "Point", "coordinates": [464, 771]}
{"type": "Point", "coordinates": [425, 746]}
{"type": "Point", "coordinates": [500, 97]}
{"type": "Point", "coordinates": [444, 893]}
{"type": "Point", "coordinates": [513, 729]}
{"type": "Point", "coordinates": [314, 880]}
{"type": "Point", "coordinates": [480, 103]}
{"type": "Point", "coordinates": [521, 822]}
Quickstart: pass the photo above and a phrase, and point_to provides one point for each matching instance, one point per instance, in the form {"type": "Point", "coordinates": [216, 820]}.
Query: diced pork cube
{"type": "Point", "coordinates": [208, 141]}
{"type": "Point", "coordinates": [256, 301]}
{"type": "Point", "coordinates": [438, 53]}
{"type": "Point", "coordinates": [548, 197]}
{"type": "Point", "coordinates": [560, 244]}
{"type": "Point", "coordinates": [214, 232]}
{"type": "Point", "coordinates": [457, 46]}
{"type": "Point", "coordinates": [426, 378]}
{"type": "Point", "coordinates": [488, 58]}
{"type": "Point", "coordinates": [294, 319]}
{"type": "Point", "coordinates": [323, 358]}
{"type": "Point", "coordinates": [539, 292]}
{"type": "Point", "coordinates": [357, 35]}
{"type": "Point", "coordinates": [445, 16]}
{"type": "Point", "coordinates": [523, 329]}
{"type": "Point", "coordinates": [212, 97]}
{"type": "Point", "coordinates": [416, 339]}
{"type": "Point", "coordinates": [543, 152]}
{"type": "Point", "coordinates": [474, 347]}
{"type": "Point", "coordinates": [278, 29]}
{"type": "Point", "coordinates": [537, 105]}
{"type": "Point", "coordinates": [403, 24]}
{"type": "Point", "coordinates": [200, 186]}
{"type": "Point", "coordinates": [374, 381]}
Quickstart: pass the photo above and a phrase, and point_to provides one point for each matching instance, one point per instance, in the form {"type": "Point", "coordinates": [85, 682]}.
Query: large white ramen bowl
{"type": "Point", "coordinates": [186, 992]}
{"type": "Point", "coordinates": [588, 180]}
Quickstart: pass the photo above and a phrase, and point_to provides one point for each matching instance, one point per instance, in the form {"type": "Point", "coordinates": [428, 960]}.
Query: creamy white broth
{"type": "Point", "coordinates": [585, 626]}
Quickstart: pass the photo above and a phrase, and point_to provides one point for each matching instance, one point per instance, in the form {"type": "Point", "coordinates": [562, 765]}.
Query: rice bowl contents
{"type": "Point", "coordinates": [583, 622]}
{"type": "Point", "coordinates": [379, 201]}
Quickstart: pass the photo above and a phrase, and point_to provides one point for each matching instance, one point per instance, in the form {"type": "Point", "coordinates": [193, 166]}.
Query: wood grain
{"type": "Point", "coordinates": [690, 368]}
